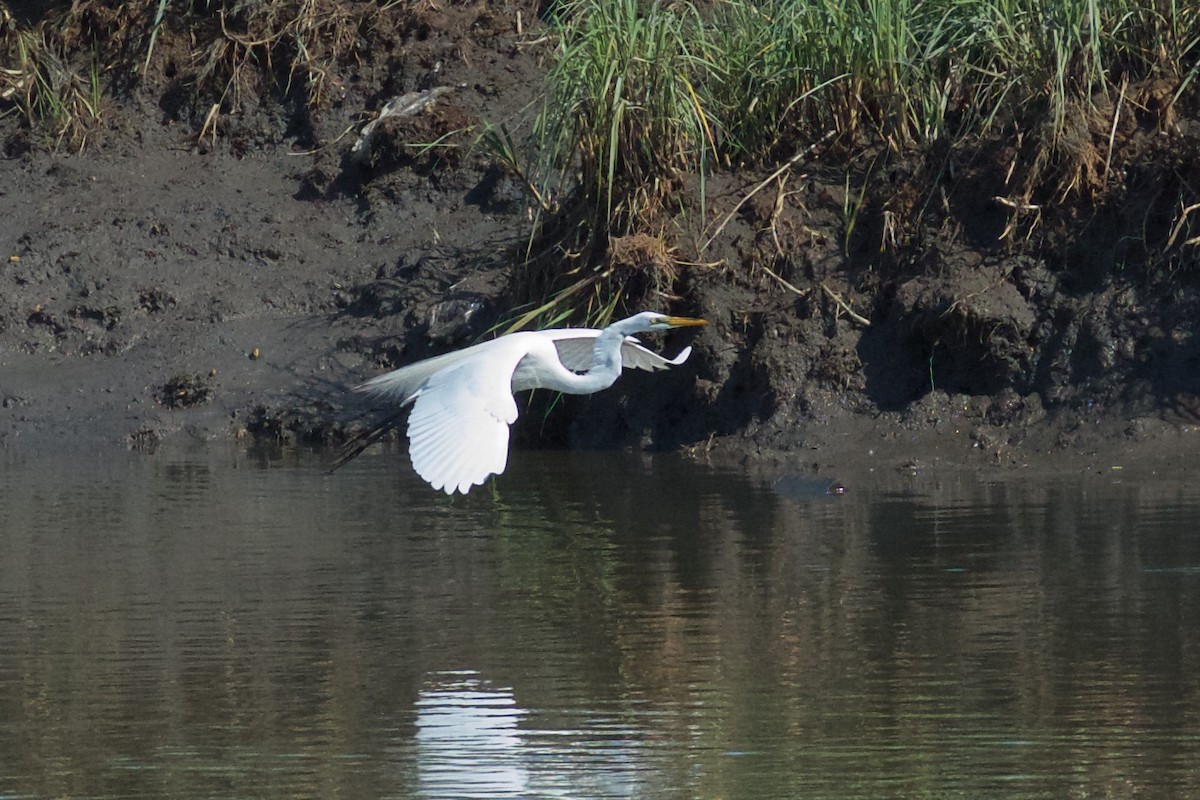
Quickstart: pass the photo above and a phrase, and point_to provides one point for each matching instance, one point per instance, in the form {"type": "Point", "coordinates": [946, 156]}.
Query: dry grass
{"type": "Point", "coordinates": [220, 53]}
{"type": "Point", "coordinates": [296, 44]}
{"type": "Point", "coordinates": [42, 81]}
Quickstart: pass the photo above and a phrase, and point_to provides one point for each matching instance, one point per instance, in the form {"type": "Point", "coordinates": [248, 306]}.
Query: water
{"type": "Point", "coordinates": [218, 625]}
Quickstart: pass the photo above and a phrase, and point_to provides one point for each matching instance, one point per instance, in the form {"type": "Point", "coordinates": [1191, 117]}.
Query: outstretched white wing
{"type": "Point", "coordinates": [575, 351]}
{"type": "Point", "coordinates": [458, 428]}
{"type": "Point", "coordinates": [400, 385]}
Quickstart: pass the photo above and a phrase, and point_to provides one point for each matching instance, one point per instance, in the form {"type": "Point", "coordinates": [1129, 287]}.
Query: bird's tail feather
{"type": "Point", "coordinates": [364, 439]}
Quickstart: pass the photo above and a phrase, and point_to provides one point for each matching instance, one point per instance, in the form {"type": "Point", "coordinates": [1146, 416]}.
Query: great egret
{"type": "Point", "coordinates": [462, 402]}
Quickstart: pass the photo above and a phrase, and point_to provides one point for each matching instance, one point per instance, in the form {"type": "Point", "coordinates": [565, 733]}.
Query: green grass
{"type": "Point", "coordinates": [44, 87]}
{"type": "Point", "coordinates": [621, 107]}
{"type": "Point", "coordinates": [621, 122]}
{"type": "Point", "coordinates": [639, 91]}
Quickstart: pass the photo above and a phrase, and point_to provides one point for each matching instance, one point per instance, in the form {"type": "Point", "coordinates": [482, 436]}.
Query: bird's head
{"type": "Point", "coordinates": [653, 321]}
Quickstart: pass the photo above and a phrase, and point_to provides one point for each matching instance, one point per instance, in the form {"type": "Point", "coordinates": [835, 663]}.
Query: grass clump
{"type": "Point", "coordinates": [295, 44]}
{"type": "Point", "coordinates": [39, 79]}
{"type": "Point", "coordinates": [45, 87]}
{"type": "Point", "coordinates": [624, 110]}
{"type": "Point", "coordinates": [622, 121]}
{"type": "Point", "coordinates": [905, 72]}
{"type": "Point", "coordinates": [794, 70]}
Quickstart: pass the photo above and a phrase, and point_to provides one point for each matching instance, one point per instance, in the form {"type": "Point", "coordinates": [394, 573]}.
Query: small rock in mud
{"type": "Point", "coordinates": [145, 440]}
{"type": "Point", "coordinates": [40, 316]}
{"type": "Point", "coordinates": [183, 391]}
{"type": "Point", "coordinates": [312, 423]}
{"type": "Point", "coordinates": [154, 300]}
{"type": "Point", "coordinates": [106, 317]}
{"type": "Point", "coordinates": [449, 321]}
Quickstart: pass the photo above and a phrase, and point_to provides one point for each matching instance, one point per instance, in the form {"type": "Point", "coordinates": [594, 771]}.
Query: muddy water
{"type": "Point", "coordinates": [217, 625]}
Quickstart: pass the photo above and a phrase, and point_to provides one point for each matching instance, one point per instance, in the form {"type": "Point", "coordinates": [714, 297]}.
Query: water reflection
{"type": "Point", "coordinates": [213, 624]}
{"type": "Point", "coordinates": [473, 740]}
{"type": "Point", "coordinates": [468, 743]}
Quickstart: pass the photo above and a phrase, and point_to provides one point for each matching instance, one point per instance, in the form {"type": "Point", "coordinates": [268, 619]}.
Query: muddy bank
{"type": "Point", "coordinates": [174, 283]}
{"type": "Point", "coordinates": [163, 293]}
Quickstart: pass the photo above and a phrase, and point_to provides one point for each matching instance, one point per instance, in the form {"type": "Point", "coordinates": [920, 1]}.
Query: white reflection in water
{"type": "Point", "coordinates": [468, 744]}
{"type": "Point", "coordinates": [474, 741]}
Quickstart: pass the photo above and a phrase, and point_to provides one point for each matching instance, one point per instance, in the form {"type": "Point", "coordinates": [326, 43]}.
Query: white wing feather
{"type": "Point", "coordinates": [458, 428]}
{"type": "Point", "coordinates": [400, 385]}
{"type": "Point", "coordinates": [575, 351]}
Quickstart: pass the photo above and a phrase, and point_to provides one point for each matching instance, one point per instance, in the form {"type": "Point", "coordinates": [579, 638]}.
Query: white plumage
{"type": "Point", "coordinates": [462, 402]}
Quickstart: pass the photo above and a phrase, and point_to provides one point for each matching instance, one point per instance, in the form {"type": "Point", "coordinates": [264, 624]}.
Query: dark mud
{"type": "Point", "coordinates": [163, 286]}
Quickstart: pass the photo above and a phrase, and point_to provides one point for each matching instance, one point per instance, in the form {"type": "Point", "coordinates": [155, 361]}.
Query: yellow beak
{"type": "Point", "coordinates": [682, 322]}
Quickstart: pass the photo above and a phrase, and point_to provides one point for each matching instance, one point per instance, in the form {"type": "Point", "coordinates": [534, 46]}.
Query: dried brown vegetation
{"type": "Point", "coordinates": [199, 61]}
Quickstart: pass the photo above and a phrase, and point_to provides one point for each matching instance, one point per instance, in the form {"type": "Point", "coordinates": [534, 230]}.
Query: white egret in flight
{"type": "Point", "coordinates": [462, 402]}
